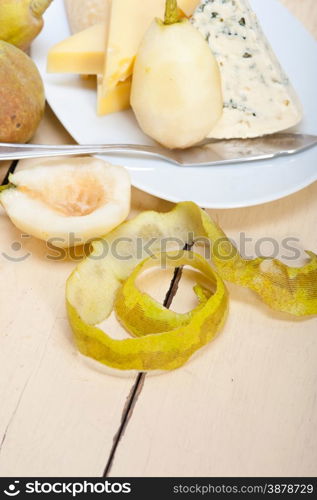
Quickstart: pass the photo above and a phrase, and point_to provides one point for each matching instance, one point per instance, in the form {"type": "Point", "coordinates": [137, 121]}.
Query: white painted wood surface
{"type": "Point", "coordinates": [245, 406]}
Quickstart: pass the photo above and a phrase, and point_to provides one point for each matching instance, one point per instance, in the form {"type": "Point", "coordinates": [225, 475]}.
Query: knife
{"type": "Point", "coordinates": [207, 153]}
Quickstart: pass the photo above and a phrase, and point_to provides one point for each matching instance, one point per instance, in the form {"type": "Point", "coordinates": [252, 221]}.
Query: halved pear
{"type": "Point", "coordinates": [68, 202]}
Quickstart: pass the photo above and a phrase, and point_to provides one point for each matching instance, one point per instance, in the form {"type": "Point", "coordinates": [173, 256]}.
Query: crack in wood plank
{"type": "Point", "coordinates": [126, 415]}
{"type": "Point", "coordinates": [140, 379]}
{"type": "Point", "coordinates": [14, 412]}
{"type": "Point", "coordinates": [33, 372]}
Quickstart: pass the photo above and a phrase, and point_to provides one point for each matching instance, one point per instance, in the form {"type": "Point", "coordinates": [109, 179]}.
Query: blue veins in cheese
{"type": "Point", "coordinates": [258, 97]}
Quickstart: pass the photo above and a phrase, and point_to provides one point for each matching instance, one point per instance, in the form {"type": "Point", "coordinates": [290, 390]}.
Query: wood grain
{"type": "Point", "coordinates": [58, 416]}
{"type": "Point", "coordinates": [245, 406]}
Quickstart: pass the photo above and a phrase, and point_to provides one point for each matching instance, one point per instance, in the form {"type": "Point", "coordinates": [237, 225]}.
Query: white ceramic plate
{"type": "Point", "coordinates": [212, 187]}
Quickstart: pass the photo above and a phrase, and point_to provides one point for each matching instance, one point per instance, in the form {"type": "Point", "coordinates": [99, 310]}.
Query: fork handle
{"type": "Point", "coordinates": [22, 151]}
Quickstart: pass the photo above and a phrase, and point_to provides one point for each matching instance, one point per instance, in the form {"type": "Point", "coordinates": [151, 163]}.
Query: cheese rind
{"type": "Point", "coordinates": [258, 97]}
{"type": "Point", "coordinates": [82, 53]}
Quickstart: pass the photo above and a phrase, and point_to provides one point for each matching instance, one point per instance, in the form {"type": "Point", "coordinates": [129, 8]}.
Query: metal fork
{"type": "Point", "coordinates": [207, 153]}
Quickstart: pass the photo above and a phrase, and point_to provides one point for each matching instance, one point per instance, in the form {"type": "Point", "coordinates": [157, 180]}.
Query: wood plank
{"type": "Point", "coordinates": [57, 415]}
{"type": "Point", "coordinates": [248, 405]}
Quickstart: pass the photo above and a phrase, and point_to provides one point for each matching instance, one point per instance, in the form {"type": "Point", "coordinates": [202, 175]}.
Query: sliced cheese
{"type": "Point", "coordinates": [82, 53]}
{"type": "Point", "coordinates": [258, 97]}
{"type": "Point", "coordinates": [129, 20]}
{"type": "Point", "coordinates": [84, 13]}
{"type": "Point", "coordinates": [117, 99]}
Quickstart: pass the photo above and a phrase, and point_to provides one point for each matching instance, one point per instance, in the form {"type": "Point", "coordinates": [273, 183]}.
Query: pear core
{"type": "Point", "coordinates": [76, 195]}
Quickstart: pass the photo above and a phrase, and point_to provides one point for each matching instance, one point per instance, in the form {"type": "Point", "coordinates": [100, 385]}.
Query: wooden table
{"type": "Point", "coordinates": [246, 406]}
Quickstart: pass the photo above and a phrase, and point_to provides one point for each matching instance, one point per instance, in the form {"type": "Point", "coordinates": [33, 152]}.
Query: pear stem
{"type": "Point", "coordinates": [38, 7]}
{"type": "Point", "coordinates": [171, 12]}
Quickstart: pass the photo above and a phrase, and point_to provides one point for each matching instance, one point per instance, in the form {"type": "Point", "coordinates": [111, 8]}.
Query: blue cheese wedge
{"type": "Point", "coordinates": [258, 96]}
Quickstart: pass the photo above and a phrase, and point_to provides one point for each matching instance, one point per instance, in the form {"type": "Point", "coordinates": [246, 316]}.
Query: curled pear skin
{"type": "Point", "coordinates": [21, 20]}
{"type": "Point", "coordinates": [176, 89]}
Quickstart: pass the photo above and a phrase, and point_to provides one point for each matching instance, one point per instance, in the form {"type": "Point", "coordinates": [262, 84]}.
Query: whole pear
{"type": "Point", "coordinates": [22, 98]}
{"type": "Point", "coordinates": [21, 20]}
{"type": "Point", "coordinates": [176, 90]}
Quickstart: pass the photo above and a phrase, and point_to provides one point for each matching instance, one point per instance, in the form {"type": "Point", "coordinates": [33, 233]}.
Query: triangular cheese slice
{"type": "Point", "coordinates": [82, 53]}
{"type": "Point", "coordinates": [129, 20]}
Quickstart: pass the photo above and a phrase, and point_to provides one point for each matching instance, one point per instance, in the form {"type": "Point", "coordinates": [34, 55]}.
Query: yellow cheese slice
{"type": "Point", "coordinates": [129, 20]}
{"type": "Point", "coordinates": [117, 99]}
{"type": "Point", "coordinates": [82, 53]}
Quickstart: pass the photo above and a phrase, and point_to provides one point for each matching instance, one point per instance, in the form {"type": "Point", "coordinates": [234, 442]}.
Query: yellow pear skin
{"type": "Point", "coordinates": [21, 20]}
{"type": "Point", "coordinates": [176, 88]}
{"type": "Point", "coordinates": [22, 99]}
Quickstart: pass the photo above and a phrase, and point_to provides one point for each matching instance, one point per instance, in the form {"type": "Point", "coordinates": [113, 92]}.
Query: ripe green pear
{"type": "Point", "coordinates": [21, 20]}
{"type": "Point", "coordinates": [22, 98]}
{"type": "Point", "coordinates": [176, 88]}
